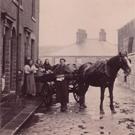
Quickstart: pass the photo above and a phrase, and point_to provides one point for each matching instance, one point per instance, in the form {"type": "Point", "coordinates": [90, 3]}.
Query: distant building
{"type": "Point", "coordinates": [84, 49]}
{"type": "Point", "coordinates": [126, 37]}
{"type": "Point", "coordinates": [28, 37]}
{"type": "Point", "coordinates": [126, 42]}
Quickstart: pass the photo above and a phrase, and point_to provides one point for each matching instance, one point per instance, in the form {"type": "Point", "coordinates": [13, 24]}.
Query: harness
{"type": "Point", "coordinates": [86, 68]}
{"type": "Point", "coordinates": [99, 66]}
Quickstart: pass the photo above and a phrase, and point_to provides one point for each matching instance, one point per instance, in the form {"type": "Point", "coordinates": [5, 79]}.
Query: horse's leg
{"type": "Point", "coordinates": [101, 100]}
{"type": "Point", "coordinates": [83, 90]}
{"type": "Point", "coordinates": [111, 99]}
{"type": "Point", "coordinates": [81, 95]}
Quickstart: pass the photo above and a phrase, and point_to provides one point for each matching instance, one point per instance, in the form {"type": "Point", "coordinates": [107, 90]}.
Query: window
{"type": "Point", "coordinates": [33, 9]}
{"type": "Point", "coordinates": [125, 78]}
{"type": "Point", "coordinates": [125, 44]}
{"type": "Point", "coordinates": [130, 44]}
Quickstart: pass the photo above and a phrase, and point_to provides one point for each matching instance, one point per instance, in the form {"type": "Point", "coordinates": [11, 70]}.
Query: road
{"type": "Point", "coordinates": [89, 121]}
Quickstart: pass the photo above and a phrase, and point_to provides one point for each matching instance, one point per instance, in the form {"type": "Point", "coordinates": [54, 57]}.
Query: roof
{"type": "Point", "coordinates": [91, 47]}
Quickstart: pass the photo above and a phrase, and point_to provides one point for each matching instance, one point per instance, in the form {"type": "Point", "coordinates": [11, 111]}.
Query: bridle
{"type": "Point", "coordinates": [125, 64]}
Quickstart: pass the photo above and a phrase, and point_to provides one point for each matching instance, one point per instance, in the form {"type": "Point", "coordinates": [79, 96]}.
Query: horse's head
{"type": "Point", "coordinates": [125, 63]}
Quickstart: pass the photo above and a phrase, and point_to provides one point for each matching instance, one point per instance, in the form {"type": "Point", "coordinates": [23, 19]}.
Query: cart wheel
{"type": "Point", "coordinates": [46, 95]}
{"type": "Point", "coordinates": [75, 91]}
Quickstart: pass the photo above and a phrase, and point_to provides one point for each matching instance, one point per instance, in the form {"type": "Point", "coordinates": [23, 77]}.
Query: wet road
{"type": "Point", "coordinates": [88, 122]}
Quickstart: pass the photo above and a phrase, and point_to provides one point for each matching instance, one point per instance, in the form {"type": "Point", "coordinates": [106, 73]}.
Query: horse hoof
{"type": "Point", "coordinates": [102, 112]}
{"type": "Point", "coordinates": [82, 107]}
{"type": "Point", "coordinates": [113, 111]}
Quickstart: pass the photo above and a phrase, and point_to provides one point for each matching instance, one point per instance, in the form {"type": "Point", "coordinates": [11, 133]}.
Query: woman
{"type": "Point", "coordinates": [39, 64]}
{"type": "Point", "coordinates": [47, 66]}
{"type": "Point", "coordinates": [40, 67]}
{"type": "Point", "coordinates": [30, 70]}
{"type": "Point", "coordinates": [40, 73]}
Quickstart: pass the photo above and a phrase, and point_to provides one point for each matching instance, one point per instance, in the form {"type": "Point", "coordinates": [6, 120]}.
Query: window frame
{"type": "Point", "coordinates": [130, 44]}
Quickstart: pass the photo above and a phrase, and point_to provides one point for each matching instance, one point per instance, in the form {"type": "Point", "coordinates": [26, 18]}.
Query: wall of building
{"type": "Point", "coordinates": [130, 82]}
{"type": "Point", "coordinates": [75, 59]}
{"type": "Point", "coordinates": [28, 37]}
{"type": "Point", "coordinates": [0, 50]}
{"type": "Point", "coordinates": [124, 35]}
{"type": "Point", "coordinates": [126, 42]}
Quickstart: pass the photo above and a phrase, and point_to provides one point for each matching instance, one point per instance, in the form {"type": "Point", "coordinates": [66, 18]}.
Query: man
{"type": "Point", "coordinates": [62, 95]}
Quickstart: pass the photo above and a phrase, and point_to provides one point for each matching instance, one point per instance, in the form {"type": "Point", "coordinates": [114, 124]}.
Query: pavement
{"type": "Point", "coordinates": [89, 121]}
{"type": "Point", "coordinates": [14, 112]}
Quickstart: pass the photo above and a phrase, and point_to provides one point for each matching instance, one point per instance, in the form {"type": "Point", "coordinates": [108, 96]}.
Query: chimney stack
{"type": "Point", "coordinates": [102, 35]}
{"type": "Point", "coordinates": [81, 36]}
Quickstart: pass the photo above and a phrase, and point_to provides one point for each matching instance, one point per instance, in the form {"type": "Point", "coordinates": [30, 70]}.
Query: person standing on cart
{"type": "Point", "coordinates": [62, 95]}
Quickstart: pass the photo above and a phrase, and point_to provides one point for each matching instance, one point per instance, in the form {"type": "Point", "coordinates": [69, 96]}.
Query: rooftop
{"type": "Point", "coordinates": [91, 47]}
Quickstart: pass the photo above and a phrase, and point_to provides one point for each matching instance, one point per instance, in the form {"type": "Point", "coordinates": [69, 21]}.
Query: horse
{"type": "Point", "coordinates": [102, 74]}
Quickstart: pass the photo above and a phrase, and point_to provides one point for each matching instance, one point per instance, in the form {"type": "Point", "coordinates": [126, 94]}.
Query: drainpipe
{"type": "Point", "coordinates": [17, 53]}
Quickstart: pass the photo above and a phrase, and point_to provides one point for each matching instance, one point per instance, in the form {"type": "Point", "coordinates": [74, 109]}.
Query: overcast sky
{"type": "Point", "coordinates": [60, 19]}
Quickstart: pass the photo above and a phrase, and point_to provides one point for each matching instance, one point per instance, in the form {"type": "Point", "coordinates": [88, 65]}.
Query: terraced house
{"type": "Point", "coordinates": [19, 36]}
{"type": "Point", "coordinates": [126, 42]}
{"type": "Point", "coordinates": [83, 50]}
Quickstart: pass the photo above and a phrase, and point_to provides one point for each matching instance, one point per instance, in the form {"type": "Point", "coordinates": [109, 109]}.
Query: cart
{"type": "Point", "coordinates": [48, 90]}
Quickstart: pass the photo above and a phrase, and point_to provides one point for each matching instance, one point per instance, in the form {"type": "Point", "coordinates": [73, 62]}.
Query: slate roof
{"type": "Point", "coordinates": [91, 47]}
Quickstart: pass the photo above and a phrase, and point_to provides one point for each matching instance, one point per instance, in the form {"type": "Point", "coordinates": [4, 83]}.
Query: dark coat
{"type": "Point", "coordinates": [47, 67]}
{"type": "Point", "coordinates": [62, 95]}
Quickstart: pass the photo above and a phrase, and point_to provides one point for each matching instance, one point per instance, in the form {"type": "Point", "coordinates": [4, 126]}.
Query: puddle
{"type": "Point", "coordinates": [81, 127]}
{"type": "Point", "coordinates": [101, 132]}
{"type": "Point", "coordinates": [101, 127]}
{"type": "Point", "coordinates": [85, 132]}
{"type": "Point", "coordinates": [126, 111]}
{"type": "Point", "coordinates": [126, 120]}
{"type": "Point", "coordinates": [130, 123]}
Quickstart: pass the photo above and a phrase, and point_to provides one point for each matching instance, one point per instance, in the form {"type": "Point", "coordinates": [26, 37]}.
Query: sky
{"type": "Point", "coordinates": [60, 19]}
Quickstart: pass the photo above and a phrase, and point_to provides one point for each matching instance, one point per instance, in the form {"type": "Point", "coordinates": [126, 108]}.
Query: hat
{"type": "Point", "coordinates": [63, 59]}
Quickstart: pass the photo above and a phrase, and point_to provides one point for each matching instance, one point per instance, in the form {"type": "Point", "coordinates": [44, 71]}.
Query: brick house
{"type": "Point", "coordinates": [84, 50]}
{"type": "Point", "coordinates": [126, 42]}
{"type": "Point", "coordinates": [28, 37]}
{"type": "Point", "coordinates": [126, 36]}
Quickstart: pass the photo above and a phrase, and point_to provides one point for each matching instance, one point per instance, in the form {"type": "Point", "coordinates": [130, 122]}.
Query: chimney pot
{"type": "Point", "coordinates": [102, 35]}
{"type": "Point", "coordinates": [81, 36]}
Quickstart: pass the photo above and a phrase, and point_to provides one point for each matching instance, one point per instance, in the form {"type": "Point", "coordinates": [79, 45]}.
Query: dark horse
{"type": "Point", "coordinates": [102, 74]}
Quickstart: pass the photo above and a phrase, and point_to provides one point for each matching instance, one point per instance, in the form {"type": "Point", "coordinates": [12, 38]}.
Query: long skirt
{"type": "Point", "coordinates": [62, 95]}
{"type": "Point", "coordinates": [39, 84]}
{"type": "Point", "coordinates": [30, 84]}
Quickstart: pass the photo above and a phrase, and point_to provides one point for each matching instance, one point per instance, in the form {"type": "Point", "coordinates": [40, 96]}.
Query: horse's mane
{"type": "Point", "coordinates": [112, 60]}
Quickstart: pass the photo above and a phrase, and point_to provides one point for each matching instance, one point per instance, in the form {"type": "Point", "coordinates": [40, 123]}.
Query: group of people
{"type": "Point", "coordinates": [31, 69]}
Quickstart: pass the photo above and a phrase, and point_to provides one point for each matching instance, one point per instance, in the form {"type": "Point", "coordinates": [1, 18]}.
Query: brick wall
{"type": "Point", "coordinates": [0, 50]}
{"type": "Point", "coordinates": [8, 11]}
{"type": "Point", "coordinates": [124, 35]}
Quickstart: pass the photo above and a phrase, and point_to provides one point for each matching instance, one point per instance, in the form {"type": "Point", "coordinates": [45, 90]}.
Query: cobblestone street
{"type": "Point", "coordinates": [88, 122]}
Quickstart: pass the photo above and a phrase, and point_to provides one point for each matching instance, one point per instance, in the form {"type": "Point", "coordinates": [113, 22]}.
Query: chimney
{"type": "Point", "coordinates": [102, 35]}
{"type": "Point", "coordinates": [81, 36]}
